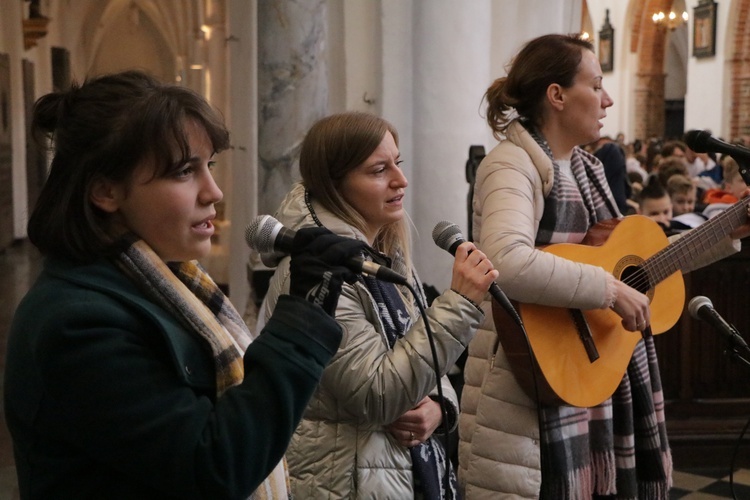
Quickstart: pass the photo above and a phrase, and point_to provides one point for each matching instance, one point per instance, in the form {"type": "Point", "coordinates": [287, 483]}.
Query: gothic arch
{"type": "Point", "coordinates": [169, 31]}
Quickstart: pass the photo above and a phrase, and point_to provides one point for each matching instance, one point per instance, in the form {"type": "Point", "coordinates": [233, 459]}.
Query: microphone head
{"type": "Point", "coordinates": [696, 303]}
{"type": "Point", "coordinates": [698, 140]}
{"type": "Point", "coordinates": [260, 234]}
{"type": "Point", "coordinates": [446, 234]}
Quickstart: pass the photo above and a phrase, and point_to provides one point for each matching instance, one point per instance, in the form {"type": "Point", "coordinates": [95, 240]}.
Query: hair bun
{"type": "Point", "coordinates": [47, 111]}
{"type": "Point", "coordinates": [50, 109]}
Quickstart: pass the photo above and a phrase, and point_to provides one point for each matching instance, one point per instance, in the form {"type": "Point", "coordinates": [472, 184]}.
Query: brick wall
{"type": "Point", "coordinates": [739, 61]}
{"type": "Point", "coordinates": [649, 41]}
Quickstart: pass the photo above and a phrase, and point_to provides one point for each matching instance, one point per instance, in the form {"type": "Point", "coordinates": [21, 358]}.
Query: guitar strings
{"type": "Point", "coordinates": [734, 216]}
{"type": "Point", "coordinates": [653, 271]}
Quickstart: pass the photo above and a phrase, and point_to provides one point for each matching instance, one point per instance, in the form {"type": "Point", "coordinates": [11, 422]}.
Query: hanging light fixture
{"type": "Point", "coordinates": [669, 21]}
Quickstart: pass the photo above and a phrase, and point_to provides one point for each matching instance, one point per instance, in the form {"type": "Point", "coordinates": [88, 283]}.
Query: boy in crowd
{"type": "Point", "coordinates": [683, 193]}
{"type": "Point", "coordinates": [654, 202]}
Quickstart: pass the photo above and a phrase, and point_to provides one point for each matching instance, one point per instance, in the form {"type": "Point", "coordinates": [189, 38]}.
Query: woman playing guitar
{"type": "Point", "coordinates": [537, 188]}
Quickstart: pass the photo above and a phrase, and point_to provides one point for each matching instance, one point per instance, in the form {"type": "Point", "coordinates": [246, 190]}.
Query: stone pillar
{"type": "Point", "coordinates": [451, 73]}
{"type": "Point", "coordinates": [291, 75]}
{"type": "Point", "coordinates": [649, 105]}
{"type": "Point", "coordinates": [207, 74]}
{"type": "Point", "coordinates": [650, 78]}
{"type": "Point", "coordinates": [216, 66]}
{"type": "Point", "coordinates": [740, 116]}
{"type": "Point", "coordinates": [242, 118]}
{"type": "Point", "coordinates": [292, 90]}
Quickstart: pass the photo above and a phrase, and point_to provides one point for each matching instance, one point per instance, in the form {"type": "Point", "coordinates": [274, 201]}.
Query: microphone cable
{"type": "Point", "coordinates": [431, 341]}
{"type": "Point", "coordinates": [448, 236]}
{"type": "Point", "coordinates": [731, 351]}
{"type": "Point", "coordinates": [533, 367]}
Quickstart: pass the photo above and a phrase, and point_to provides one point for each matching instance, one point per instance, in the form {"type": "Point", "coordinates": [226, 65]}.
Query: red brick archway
{"type": "Point", "coordinates": [649, 42]}
{"type": "Point", "coordinates": [738, 56]}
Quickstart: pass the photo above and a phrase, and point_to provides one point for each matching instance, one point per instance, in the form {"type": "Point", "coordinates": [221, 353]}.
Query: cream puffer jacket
{"type": "Point", "coordinates": [498, 426]}
{"type": "Point", "coordinates": [341, 448]}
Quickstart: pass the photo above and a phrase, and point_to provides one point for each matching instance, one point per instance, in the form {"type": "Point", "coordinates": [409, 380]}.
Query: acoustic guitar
{"type": "Point", "coordinates": [580, 357]}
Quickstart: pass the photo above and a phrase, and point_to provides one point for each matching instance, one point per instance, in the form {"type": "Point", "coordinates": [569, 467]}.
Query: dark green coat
{"type": "Point", "coordinates": [108, 396]}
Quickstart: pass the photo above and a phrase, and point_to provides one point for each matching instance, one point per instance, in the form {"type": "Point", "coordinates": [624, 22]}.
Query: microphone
{"type": "Point", "coordinates": [448, 236]}
{"type": "Point", "coordinates": [701, 141]}
{"type": "Point", "coordinates": [701, 308]}
{"type": "Point", "coordinates": [272, 240]}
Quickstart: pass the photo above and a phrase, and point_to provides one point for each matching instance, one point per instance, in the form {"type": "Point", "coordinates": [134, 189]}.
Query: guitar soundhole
{"type": "Point", "coordinates": [635, 277]}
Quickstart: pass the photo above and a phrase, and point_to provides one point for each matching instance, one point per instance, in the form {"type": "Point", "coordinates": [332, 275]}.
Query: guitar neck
{"type": "Point", "coordinates": [678, 254]}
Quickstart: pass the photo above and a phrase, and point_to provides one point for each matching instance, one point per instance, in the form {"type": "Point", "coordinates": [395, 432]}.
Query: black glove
{"type": "Point", "coordinates": [317, 267]}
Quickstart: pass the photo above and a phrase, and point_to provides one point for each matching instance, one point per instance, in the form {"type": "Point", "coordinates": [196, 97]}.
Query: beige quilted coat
{"type": "Point", "coordinates": [341, 448]}
{"type": "Point", "coordinates": [499, 449]}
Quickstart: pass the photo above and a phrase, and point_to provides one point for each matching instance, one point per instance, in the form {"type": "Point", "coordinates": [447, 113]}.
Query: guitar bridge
{"type": "Point", "coordinates": [584, 333]}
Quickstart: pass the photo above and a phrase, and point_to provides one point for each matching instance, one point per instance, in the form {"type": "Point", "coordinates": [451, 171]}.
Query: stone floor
{"type": "Point", "coordinates": [710, 484]}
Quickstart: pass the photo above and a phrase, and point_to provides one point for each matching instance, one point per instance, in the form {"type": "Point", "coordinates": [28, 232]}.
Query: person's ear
{"type": "Point", "coordinates": [104, 195]}
{"type": "Point", "coordinates": [556, 96]}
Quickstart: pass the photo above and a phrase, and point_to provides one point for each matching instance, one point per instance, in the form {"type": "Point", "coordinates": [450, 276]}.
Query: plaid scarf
{"type": "Point", "coordinates": [186, 291]}
{"type": "Point", "coordinates": [428, 458]}
{"type": "Point", "coordinates": [587, 451]}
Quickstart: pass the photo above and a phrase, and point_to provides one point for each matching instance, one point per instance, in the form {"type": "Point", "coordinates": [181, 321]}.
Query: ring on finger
{"type": "Point", "coordinates": [411, 435]}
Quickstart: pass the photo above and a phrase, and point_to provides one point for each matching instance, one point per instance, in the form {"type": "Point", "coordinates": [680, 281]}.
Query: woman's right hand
{"type": "Point", "coordinates": [632, 306]}
{"type": "Point", "coordinates": [473, 273]}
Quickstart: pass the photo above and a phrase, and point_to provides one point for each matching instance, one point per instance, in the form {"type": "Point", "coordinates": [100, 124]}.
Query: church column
{"type": "Point", "coordinates": [292, 90]}
{"type": "Point", "coordinates": [284, 45]}
{"type": "Point", "coordinates": [451, 72]}
{"type": "Point", "coordinates": [241, 42]}
{"type": "Point", "coordinates": [650, 78]}
{"type": "Point", "coordinates": [649, 105]}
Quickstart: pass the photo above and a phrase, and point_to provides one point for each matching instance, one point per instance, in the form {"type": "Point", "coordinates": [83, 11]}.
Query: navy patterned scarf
{"type": "Point", "coordinates": [428, 458]}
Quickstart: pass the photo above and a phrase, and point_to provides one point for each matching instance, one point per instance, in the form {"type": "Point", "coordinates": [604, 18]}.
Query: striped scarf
{"type": "Point", "coordinates": [587, 451]}
{"type": "Point", "coordinates": [186, 291]}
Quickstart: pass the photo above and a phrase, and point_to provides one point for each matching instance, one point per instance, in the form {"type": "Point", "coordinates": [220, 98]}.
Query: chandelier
{"type": "Point", "coordinates": [670, 21]}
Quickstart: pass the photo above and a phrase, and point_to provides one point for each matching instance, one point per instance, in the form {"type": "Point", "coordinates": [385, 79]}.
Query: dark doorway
{"type": "Point", "coordinates": [674, 118]}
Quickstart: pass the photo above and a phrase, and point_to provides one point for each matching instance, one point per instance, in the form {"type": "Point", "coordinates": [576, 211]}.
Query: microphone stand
{"type": "Point", "coordinates": [734, 354]}
{"type": "Point", "coordinates": [735, 342]}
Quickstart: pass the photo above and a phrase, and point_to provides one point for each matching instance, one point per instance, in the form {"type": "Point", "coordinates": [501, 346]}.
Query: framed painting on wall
{"type": "Point", "coordinates": [704, 29]}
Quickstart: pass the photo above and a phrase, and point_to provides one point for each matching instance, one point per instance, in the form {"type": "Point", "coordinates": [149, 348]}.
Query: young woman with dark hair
{"type": "Point", "coordinates": [128, 372]}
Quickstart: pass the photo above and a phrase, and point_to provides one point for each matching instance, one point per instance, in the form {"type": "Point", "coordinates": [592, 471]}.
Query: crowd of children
{"type": "Point", "coordinates": [675, 186]}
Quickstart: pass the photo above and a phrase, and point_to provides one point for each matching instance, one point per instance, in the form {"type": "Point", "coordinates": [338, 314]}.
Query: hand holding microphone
{"type": "Point", "coordinates": [272, 240]}
{"type": "Point", "coordinates": [321, 261]}
{"type": "Point", "coordinates": [316, 270]}
{"type": "Point", "coordinates": [448, 236]}
{"type": "Point", "coordinates": [473, 272]}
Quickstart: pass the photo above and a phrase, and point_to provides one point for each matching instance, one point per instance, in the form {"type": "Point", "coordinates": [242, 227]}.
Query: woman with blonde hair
{"type": "Point", "coordinates": [369, 431]}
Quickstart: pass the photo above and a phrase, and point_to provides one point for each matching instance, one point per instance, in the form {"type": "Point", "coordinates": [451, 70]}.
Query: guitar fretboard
{"type": "Point", "coordinates": [678, 254]}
